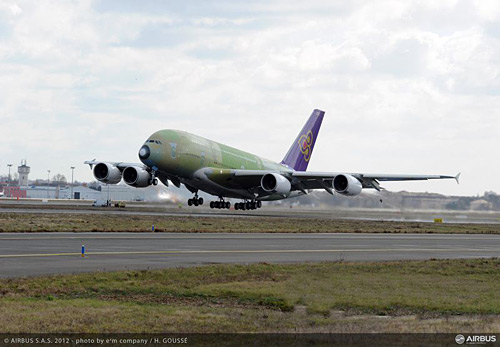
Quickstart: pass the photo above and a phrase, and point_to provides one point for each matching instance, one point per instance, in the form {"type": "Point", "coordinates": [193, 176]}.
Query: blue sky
{"type": "Point", "coordinates": [408, 87]}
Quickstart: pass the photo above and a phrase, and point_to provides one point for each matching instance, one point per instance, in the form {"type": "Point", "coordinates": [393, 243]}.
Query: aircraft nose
{"type": "Point", "coordinates": [144, 152]}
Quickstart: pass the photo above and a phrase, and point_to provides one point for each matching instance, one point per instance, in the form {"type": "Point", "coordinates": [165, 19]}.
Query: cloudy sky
{"type": "Point", "coordinates": [408, 87]}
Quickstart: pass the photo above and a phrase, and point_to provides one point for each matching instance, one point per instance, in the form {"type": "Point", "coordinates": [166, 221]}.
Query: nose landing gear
{"type": "Point", "coordinates": [153, 180]}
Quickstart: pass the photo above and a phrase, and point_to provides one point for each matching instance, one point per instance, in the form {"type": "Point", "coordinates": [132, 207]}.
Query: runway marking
{"type": "Point", "coordinates": [255, 251]}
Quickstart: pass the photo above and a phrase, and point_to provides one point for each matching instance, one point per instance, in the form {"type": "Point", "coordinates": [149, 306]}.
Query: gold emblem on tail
{"type": "Point", "coordinates": [305, 145]}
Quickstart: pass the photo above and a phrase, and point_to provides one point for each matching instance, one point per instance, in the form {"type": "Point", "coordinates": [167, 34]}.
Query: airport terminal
{"type": "Point", "coordinates": [23, 188]}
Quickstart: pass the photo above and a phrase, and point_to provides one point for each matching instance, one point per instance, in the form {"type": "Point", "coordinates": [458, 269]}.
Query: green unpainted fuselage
{"type": "Point", "coordinates": [179, 155]}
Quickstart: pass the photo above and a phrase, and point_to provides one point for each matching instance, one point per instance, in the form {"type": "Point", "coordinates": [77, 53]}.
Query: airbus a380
{"type": "Point", "coordinates": [226, 172]}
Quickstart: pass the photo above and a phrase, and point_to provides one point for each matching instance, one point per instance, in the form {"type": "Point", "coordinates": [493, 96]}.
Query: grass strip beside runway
{"type": "Point", "coordinates": [409, 296]}
{"type": "Point", "coordinates": [33, 222]}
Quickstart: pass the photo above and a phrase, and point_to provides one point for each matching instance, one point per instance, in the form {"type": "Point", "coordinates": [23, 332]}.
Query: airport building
{"type": "Point", "coordinates": [23, 170]}
{"type": "Point", "coordinates": [118, 192]}
{"type": "Point", "coordinates": [14, 192]}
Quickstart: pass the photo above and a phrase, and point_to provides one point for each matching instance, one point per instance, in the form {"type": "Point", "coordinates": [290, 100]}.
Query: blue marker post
{"type": "Point", "coordinates": [153, 228]}
{"type": "Point", "coordinates": [83, 251]}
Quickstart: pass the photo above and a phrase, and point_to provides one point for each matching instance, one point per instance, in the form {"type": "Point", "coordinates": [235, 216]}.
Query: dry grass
{"type": "Point", "coordinates": [408, 296]}
{"type": "Point", "coordinates": [34, 222]}
{"type": "Point", "coordinates": [91, 316]}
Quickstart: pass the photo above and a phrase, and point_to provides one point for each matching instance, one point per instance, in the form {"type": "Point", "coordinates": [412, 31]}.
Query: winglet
{"type": "Point", "coordinates": [457, 178]}
{"type": "Point", "coordinates": [91, 163]}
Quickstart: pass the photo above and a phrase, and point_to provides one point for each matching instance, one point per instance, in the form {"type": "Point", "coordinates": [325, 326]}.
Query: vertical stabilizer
{"type": "Point", "coordinates": [300, 152]}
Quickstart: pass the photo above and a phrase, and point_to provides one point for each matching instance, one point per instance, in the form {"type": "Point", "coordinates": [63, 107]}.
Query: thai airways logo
{"type": "Point", "coordinates": [305, 145]}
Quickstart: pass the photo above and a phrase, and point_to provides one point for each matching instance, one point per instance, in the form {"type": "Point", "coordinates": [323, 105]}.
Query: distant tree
{"type": "Point", "coordinates": [59, 179]}
{"type": "Point", "coordinates": [494, 198]}
{"type": "Point", "coordinates": [94, 185]}
{"type": "Point", "coordinates": [463, 203]}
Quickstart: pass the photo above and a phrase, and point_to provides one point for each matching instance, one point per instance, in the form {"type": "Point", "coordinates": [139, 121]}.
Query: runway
{"type": "Point", "coordinates": [55, 253]}
{"type": "Point", "coordinates": [350, 214]}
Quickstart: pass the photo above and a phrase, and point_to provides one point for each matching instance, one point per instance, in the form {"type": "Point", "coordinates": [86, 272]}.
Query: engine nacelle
{"type": "Point", "coordinates": [347, 185]}
{"type": "Point", "coordinates": [275, 183]}
{"type": "Point", "coordinates": [136, 177]}
{"type": "Point", "coordinates": [107, 173]}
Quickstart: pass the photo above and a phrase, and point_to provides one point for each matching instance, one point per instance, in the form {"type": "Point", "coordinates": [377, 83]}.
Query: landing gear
{"type": "Point", "coordinates": [248, 205]}
{"type": "Point", "coordinates": [196, 201]}
{"type": "Point", "coordinates": [220, 204]}
{"type": "Point", "coordinates": [153, 180]}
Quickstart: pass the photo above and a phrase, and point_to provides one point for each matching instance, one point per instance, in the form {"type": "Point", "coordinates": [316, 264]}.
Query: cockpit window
{"type": "Point", "coordinates": [158, 142]}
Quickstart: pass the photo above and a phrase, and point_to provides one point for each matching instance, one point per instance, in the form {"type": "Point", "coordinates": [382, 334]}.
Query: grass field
{"type": "Point", "coordinates": [408, 296]}
{"type": "Point", "coordinates": [57, 222]}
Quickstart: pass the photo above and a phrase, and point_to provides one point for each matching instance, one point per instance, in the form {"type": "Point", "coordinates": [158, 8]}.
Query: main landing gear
{"type": "Point", "coordinates": [220, 204]}
{"type": "Point", "coordinates": [248, 205]}
{"type": "Point", "coordinates": [196, 201]}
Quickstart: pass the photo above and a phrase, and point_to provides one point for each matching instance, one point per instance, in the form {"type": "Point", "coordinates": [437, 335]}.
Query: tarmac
{"type": "Point", "coordinates": [57, 253]}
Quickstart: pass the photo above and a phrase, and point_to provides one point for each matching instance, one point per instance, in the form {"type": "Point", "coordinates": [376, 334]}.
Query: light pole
{"type": "Point", "coordinates": [9, 165]}
{"type": "Point", "coordinates": [48, 181]}
{"type": "Point", "coordinates": [72, 172]}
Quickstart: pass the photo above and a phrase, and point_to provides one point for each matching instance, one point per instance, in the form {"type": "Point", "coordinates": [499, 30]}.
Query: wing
{"type": "Point", "coordinates": [305, 180]}
{"type": "Point", "coordinates": [120, 165]}
{"type": "Point", "coordinates": [317, 180]}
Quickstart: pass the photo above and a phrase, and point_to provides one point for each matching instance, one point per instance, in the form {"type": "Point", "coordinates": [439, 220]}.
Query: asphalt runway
{"type": "Point", "coordinates": [350, 214]}
{"type": "Point", "coordinates": [55, 253]}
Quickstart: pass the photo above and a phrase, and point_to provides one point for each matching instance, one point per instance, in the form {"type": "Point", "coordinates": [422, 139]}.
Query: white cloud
{"type": "Point", "coordinates": [407, 86]}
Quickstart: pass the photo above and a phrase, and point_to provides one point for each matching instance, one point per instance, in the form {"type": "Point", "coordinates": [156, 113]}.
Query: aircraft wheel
{"type": "Point", "coordinates": [254, 205]}
{"type": "Point", "coordinates": [200, 201]}
{"type": "Point", "coordinates": [195, 202]}
{"type": "Point", "coordinates": [155, 182]}
{"type": "Point", "coordinates": [228, 205]}
{"type": "Point", "coordinates": [248, 205]}
{"type": "Point", "coordinates": [190, 202]}
{"type": "Point", "coordinates": [211, 204]}
{"type": "Point", "coordinates": [259, 204]}
{"type": "Point", "coordinates": [236, 207]}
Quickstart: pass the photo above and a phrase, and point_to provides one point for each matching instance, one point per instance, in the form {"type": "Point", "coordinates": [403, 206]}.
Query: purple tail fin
{"type": "Point", "coordinates": [300, 152]}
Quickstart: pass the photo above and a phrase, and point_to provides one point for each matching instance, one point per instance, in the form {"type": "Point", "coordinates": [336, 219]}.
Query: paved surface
{"type": "Point", "coordinates": [53, 253]}
{"type": "Point", "coordinates": [353, 214]}
{"type": "Point", "coordinates": [24, 206]}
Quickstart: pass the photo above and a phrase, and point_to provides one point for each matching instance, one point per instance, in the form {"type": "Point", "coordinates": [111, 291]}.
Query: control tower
{"type": "Point", "coordinates": [23, 171]}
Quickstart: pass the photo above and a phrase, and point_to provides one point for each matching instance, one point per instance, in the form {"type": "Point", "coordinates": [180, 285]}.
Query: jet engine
{"type": "Point", "coordinates": [275, 183]}
{"type": "Point", "coordinates": [136, 177]}
{"type": "Point", "coordinates": [347, 185]}
{"type": "Point", "coordinates": [107, 173]}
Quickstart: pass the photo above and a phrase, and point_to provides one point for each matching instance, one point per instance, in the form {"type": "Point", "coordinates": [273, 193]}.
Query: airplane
{"type": "Point", "coordinates": [226, 172]}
